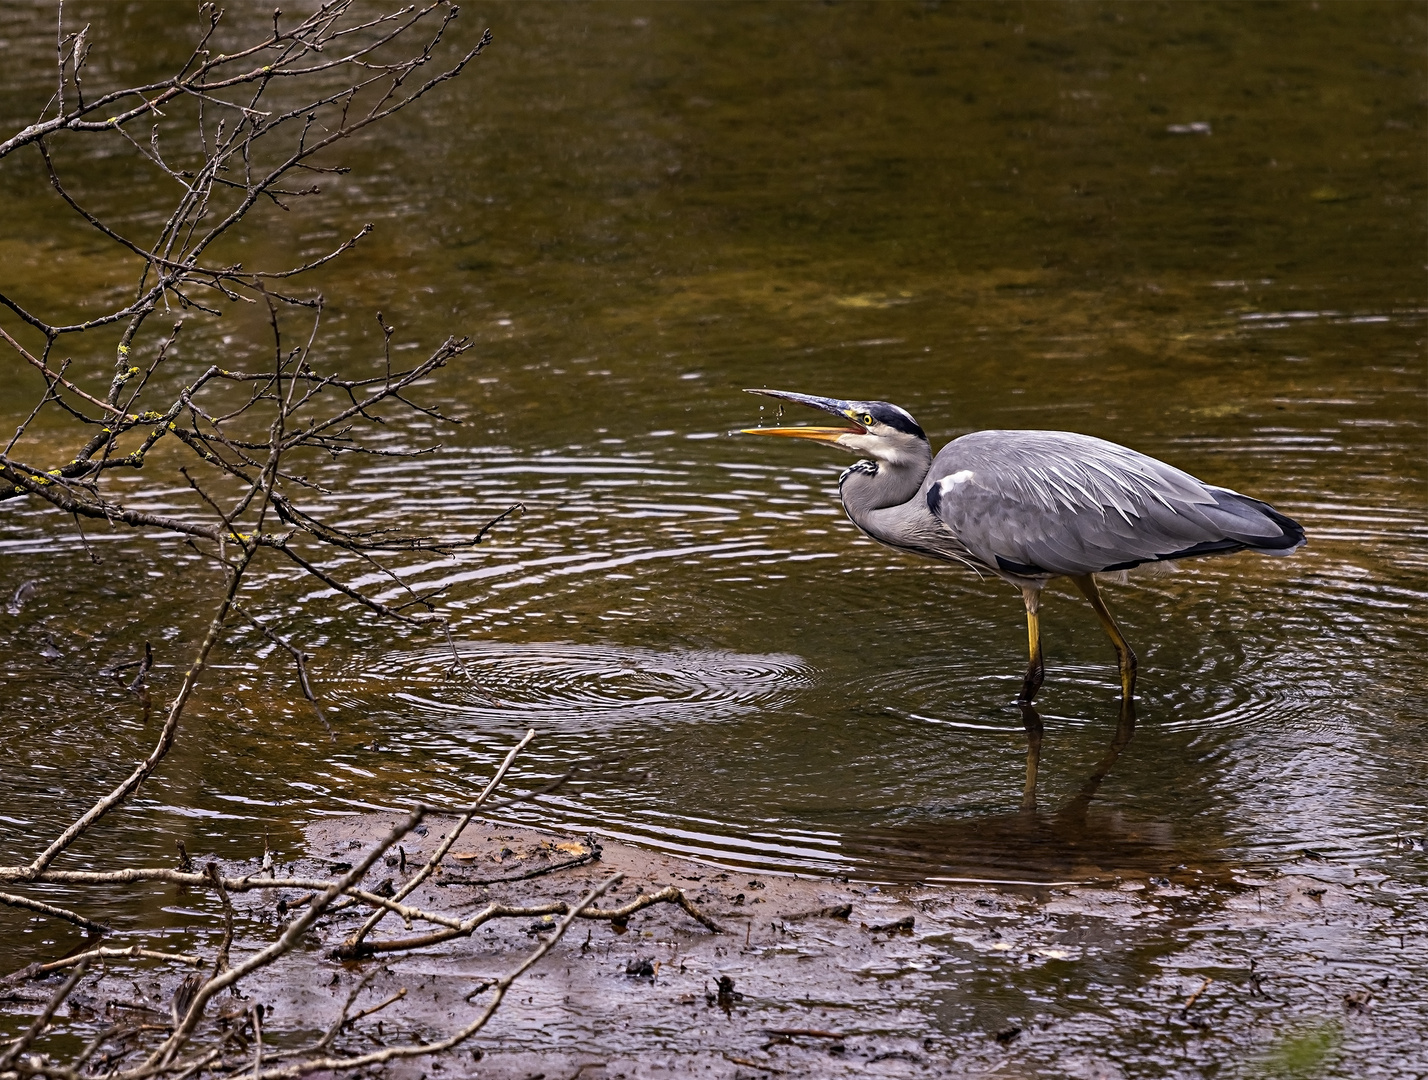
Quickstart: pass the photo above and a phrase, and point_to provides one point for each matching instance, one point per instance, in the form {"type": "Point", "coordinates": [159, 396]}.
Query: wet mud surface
{"type": "Point", "coordinates": [1305, 971]}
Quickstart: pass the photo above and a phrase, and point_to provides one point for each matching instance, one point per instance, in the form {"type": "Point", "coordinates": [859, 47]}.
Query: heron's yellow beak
{"type": "Point", "coordinates": [821, 434]}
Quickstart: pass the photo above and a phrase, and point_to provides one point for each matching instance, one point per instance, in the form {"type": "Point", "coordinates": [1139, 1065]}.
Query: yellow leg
{"type": "Point", "coordinates": [1087, 584]}
{"type": "Point", "coordinates": [1036, 670]}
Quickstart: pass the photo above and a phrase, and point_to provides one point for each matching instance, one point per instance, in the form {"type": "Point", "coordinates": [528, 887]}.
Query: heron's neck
{"type": "Point", "coordinates": [871, 488]}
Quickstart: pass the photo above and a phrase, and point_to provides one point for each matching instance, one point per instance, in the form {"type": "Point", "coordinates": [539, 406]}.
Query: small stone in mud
{"type": "Point", "coordinates": [833, 911]}
{"type": "Point", "coordinates": [900, 926]}
{"type": "Point", "coordinates": [1008, 1033]}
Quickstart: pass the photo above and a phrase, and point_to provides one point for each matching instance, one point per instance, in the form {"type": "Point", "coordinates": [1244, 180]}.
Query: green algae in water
{"type": "Point", "coordinates": [1302, 1053]}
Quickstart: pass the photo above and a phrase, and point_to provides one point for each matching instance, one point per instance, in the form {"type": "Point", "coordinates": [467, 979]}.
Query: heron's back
{"type": "Point", "coordinates": [1039, 503]}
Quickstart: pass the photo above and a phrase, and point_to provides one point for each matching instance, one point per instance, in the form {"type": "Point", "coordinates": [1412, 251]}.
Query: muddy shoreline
{"type": "Point", "coordinates": [1258, 973]}
{"type": "Point", "coordinates": [1311, 969]}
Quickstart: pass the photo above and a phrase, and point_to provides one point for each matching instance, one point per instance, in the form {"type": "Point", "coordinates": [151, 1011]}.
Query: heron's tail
{"type": "Point", "coordinates": [1252, 525]}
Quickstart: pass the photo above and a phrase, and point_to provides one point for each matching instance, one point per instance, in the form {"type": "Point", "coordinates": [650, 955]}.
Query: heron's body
{"type": "Point", "coordinates": [1032, 505]}
{"type": "Point", "coordinates": [1029, 506]}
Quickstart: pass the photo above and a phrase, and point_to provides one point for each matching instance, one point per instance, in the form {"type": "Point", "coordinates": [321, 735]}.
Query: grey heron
{"type": "Point", "coordinates": [1029, 506]}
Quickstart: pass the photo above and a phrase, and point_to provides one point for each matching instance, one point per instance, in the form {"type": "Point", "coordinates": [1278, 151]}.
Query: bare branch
{"type": "Point", "coordinates": [229, 148]}
{"type": "Point", "coordinates": [133, 952]}
{"type": "Point", "coordinates": [354, 942]}
{"type": "Point", "coordinates": [289, 937]}
{"type": "Point", "coordinates": [166, 736]}
{"type": "Point", "coordinates": [42, 1021]}
{"type": "Point", "coordinates": [501, 986]}
{"type": "Point", "coordinates": [11, 900]}
{"type": "Point", "coordinates": [300, 658]}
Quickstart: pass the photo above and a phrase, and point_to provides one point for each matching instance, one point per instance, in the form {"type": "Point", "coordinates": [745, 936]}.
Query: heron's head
{"type": "Point", "coordinates": [875, 429]}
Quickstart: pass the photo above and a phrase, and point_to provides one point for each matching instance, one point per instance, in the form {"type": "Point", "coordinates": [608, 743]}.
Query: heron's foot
{"type": "Point", "coordinates": [1128, 669]}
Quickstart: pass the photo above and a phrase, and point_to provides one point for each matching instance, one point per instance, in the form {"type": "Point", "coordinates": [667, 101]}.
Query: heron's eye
{"type": "Point", "coordinates": [867, 418]}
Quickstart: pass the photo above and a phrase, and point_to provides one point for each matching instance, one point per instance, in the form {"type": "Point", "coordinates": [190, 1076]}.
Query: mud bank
{"type": "Point", "coordinates": [1315, 970]}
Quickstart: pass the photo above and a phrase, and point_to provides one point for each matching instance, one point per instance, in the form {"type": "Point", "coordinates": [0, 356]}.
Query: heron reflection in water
{"type": "Point", "coordinates": [1059, 838]}
{"type": "Point", "coordinates": [1029, 506]}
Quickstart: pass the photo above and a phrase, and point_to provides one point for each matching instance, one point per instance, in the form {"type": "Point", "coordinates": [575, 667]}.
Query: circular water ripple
{"type": "Point", "coordinates": [574, 687]}
{"type": "Point", "coordinates": [1081, 688]}
{"type": "Point", "coordinates": [1241, 700]}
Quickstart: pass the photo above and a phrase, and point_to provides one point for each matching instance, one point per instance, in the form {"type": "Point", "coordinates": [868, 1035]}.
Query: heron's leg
{"type": "Point", "coordinates": [1031, 720]}
{"type": "Point", "coordinates": [1087, 584]}
{"type": "Point", "coordinates": [1035, 670]}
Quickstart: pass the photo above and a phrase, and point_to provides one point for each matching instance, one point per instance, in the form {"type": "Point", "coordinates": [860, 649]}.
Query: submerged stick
{"type": "Point", "coordinates": [11, 900]}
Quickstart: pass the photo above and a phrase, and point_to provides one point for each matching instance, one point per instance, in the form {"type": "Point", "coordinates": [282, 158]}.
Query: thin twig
{"type": "Point", "coordinates": [17, 1047]}
{"type": "Point", "coordinates": [378, 1007]}
{"type": "Point", "coordinates": [11, 900]}
{"type": "Point", "coordinates": [354, 942]}
{"type": "Point", "coordinates": [166, 736]}
{"type": "Point", "coordinates": [300, 659]}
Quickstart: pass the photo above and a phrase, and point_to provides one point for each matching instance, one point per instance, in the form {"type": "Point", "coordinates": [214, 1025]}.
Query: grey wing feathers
{"type": "Point", "coordinates": [1055, 502]}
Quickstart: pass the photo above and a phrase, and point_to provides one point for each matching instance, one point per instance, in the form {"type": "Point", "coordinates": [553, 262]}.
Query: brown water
{"type": "Point", "coordinates": [981, 212]}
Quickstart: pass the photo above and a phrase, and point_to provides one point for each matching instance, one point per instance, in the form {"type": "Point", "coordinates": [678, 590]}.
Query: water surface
{"type": "Point", "coordinates": [993, 215]}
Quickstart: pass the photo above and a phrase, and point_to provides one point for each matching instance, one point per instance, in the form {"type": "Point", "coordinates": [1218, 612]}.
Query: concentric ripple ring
{"type": "Point", "coordinates": [575, 687]}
